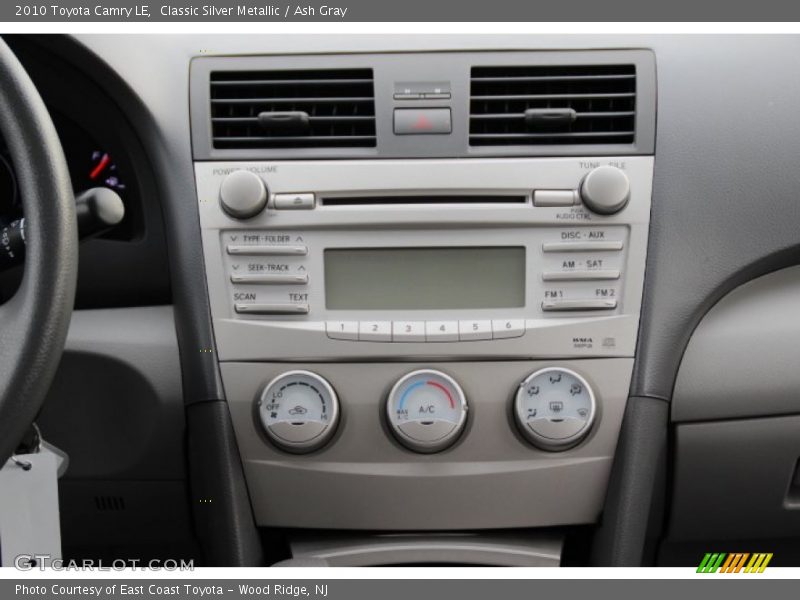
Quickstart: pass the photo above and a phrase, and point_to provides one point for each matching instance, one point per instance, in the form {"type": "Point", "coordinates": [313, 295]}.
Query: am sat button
{"type": "Point", "coordinates": [416, 121]}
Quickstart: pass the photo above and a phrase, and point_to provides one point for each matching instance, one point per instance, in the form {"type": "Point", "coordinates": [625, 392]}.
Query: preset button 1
{"type": "Point", "coordinates": [342, 330]}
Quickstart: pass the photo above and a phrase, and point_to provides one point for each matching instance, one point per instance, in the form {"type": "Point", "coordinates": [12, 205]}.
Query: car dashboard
{"type": "Point", "coordinates": [431, 299]}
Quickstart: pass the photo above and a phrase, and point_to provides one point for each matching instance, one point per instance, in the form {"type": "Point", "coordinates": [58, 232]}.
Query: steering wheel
{"type": "Point", "coordinates": [34, 322]}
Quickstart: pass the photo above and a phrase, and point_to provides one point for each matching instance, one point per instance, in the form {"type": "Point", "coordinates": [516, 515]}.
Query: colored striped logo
{"type": "Point", "coordinates": [744, 562]}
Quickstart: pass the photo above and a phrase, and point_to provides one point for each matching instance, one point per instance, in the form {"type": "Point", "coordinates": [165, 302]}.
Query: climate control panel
{"type": "Point", "coordinates": [456, 444]}
{"type": "Point", "coordinates": [426, 410]}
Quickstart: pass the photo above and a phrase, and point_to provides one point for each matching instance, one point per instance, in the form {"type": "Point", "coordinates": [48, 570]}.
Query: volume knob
{"type": "Point", "coordinates": [605, 190]}
{"type": "Point", "coordinates": [243, 194]}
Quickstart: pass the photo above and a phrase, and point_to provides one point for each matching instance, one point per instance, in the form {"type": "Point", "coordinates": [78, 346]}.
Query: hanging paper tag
{"type": "Point", "coordinates": [29, 519]}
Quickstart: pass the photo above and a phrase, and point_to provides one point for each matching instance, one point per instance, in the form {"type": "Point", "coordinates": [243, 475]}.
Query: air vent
{"type": "Point", "coordinates": [552, 105]}
{"type": "Point", "coordinates": [331, 108]}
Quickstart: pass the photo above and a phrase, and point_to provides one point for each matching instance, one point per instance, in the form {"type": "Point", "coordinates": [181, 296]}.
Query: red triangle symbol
{"type": "Point", "coordinates": [423, 122]}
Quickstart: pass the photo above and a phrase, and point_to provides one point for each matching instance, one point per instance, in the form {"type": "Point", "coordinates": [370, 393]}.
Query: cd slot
{"type": "Point", "coordinates": [423, 199]}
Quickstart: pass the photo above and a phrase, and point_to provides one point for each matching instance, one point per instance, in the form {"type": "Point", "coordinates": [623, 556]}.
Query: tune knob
{"type": "Point", "coordinates": [605, 190]}
{"type": "Point", "coordinates": [243, 194]}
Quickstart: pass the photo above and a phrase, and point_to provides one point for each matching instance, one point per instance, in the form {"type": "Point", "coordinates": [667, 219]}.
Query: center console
{"type": "Point", "coordinates": [425, 322]}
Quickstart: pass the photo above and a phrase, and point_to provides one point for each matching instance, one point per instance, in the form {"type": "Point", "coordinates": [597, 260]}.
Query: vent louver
{"type": "Point", "coordinates": [330, 108]}
{"type": "Point", "coordinates": [552, 105]}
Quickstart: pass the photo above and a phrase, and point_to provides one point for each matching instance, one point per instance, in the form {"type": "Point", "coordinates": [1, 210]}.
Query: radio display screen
{"type": "Point", "coordinates": [424, 278]}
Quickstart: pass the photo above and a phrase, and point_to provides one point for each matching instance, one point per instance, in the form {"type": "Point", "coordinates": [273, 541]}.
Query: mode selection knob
{"type": "Point", "coordinates": [554, 408]}
{"type": "Point", "coordinates": [243, 194]}
{"type": "Point", "coordinates": [605, 190]}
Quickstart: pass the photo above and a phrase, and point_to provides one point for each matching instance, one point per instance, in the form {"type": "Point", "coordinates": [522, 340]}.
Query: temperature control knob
{"type": "Point", "coordinates": [554, 408]}
{"type": "Point", "coordinates": [243, 194]}
{"type": "Point", "coordinates": [605, 190]}
{"type": "Point", "coordinates": [426, 410]}
{"type": "Point", "coordinates": [299, 411]}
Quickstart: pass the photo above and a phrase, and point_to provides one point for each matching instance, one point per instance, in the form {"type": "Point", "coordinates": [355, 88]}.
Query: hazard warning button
{"type": "Point", "coordinates": [414, 121]}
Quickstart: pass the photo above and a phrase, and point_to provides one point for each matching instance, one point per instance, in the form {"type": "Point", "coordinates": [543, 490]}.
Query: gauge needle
{"type": "Point", "coordinates": [100, 166]}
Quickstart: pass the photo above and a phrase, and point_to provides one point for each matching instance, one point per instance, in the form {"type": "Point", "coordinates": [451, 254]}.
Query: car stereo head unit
{"type": "Point", "coordinates": [479, 257]}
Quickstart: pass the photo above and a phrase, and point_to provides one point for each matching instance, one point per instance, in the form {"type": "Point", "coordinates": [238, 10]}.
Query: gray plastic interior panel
{"type": "Point", "coordinates": [453, 67]}
{"type": "Point", "coordinates": [116, 404]}
{"type": "Point", "coordinates": [116, 407]}
{"type": "Point", "coordinates": [733, 480]}
{"type": "Point", "coordinates": [511, 549]}
{"type": "Point", "coordinates": [725, 189]}
{"type": "Point", "coordinates": [147, 516]}
{"type": "Point", "coordinates": [743, 358]}
{"type": "Point", "coordinates": [491, 478]}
